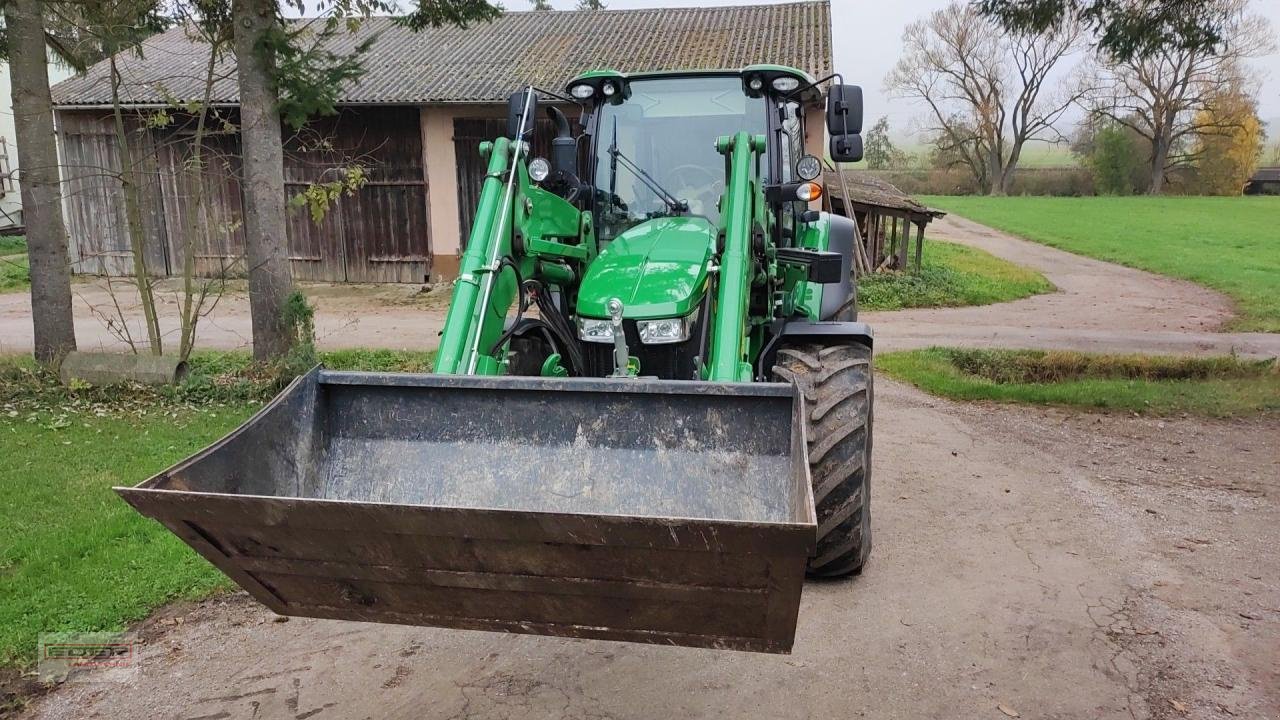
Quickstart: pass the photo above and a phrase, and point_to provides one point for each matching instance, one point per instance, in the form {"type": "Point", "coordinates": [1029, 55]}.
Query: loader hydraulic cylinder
{"type": "Point", "coordinates": [462, 322]}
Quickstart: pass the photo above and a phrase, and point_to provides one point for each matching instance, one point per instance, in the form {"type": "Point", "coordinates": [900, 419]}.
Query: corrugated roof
{"type": "Point", "coordinates": [870, 190]}
{"type": "Point", "coordinates": [487, 62]}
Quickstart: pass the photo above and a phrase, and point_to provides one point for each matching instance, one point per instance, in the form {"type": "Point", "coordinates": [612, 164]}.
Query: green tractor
{"type": "Point", "coordinates": [651, 410]}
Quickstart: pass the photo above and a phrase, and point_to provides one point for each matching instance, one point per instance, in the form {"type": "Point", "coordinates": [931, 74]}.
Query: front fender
{"type": "Point", "coordinates": [837, 300]}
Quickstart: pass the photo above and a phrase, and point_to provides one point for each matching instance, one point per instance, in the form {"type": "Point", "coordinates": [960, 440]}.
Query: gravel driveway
{"type": "Point", "coordinates": [1029, 562]}
{"type": "Point", "coordinates": [1055, 565]}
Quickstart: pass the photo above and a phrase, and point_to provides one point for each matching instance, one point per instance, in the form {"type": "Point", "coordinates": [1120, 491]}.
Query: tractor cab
{"type": "Point", "coordinates": [653, 136]}
{"type": "Point", "coordinates": [651, 169]}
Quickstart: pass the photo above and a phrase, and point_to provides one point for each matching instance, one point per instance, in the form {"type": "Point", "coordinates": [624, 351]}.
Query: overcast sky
{"type": "Point", "coordinates": [867, 36]}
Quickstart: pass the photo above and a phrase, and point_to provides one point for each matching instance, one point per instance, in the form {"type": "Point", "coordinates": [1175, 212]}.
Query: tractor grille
{"type": "Point", "coordinates": [665, 362]}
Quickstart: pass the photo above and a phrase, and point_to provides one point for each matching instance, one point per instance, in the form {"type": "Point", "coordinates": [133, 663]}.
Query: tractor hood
{"type": "Point", "coordinates": [658, 269]}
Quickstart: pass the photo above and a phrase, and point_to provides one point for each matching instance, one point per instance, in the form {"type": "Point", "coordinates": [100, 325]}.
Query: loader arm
{"type": "Point", "coordinates": [729, 346]}
{"type": "Point", "coordinates": [520, 232]}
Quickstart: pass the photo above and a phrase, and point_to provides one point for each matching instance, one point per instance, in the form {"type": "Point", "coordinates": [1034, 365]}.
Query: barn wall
{"type": "Point", "coordinates": [380, 233]}
{"type": "Point", "coordinates": [815, 140]}
{"type": "Point", "coordinates": [442, 158]}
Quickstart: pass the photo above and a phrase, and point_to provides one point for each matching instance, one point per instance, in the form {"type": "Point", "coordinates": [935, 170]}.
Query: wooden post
{"type": "Point", "coordinates": [891, 235]}
{"type": "Point", "coordinates": [877, 240]}
{"type": "Point", "coordinates": [903, 243]}
{"type": "Point", "coordinates": [919, 245]}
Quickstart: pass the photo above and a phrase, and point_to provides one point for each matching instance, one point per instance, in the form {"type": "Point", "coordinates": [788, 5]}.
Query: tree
{"type": "Point", "coordinates": [50, 265]}
{"type": "Point", "coordinates": [1227, 152]}
{"type": "Point", "coordinates": [1160, 96]}
{"type": "Point", "coordinates": [107, 29]}
{"type": "Point", "coordinates": [879, 150]}
{"type": "Point", "coordinates": [987, 92]}
{"type": "Point", "coordinates": [288, 72]}
{"type": "Point", "coordinates": [208, 21]}
{"type": "Point", "coordinates": [1123, 29]}
{"type": "Point", "coordinates": [1115, 159]}
{"type": "Point", "coordinates": [541, 4]}
{"type": "Point", "coordinates": [590, 5]}
{"type": "Point", "coordinates": [256, 23]}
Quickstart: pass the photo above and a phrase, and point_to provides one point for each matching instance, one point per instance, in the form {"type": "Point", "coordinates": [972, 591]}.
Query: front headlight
{"type": "Point", "coordinates": [667, 330]}
{"type": "Point", "coordinates": [591, 330]}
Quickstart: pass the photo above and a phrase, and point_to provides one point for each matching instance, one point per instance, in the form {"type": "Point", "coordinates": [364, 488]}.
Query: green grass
{"type": "Point", "coordinates": [73, 556]}
{"type": "Point", "coordinates": [1034, 155]}
{"type": "Point", "coordinates": [1159, 385]}
{"type": "Point", "coordinates": [953, 275]}
{"type": "Point", "coordinates": [1044, 155]}
{"type": "Point", "coordinates": [14, 275]}
{"type": "Point", "coordinates": [1229, 244]}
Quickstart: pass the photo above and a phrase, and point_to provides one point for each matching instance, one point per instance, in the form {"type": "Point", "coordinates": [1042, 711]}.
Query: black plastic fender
{"type": "Point", "coordinates": [827, 332]}
{"type": "Point", "coordinates": [840, 238]}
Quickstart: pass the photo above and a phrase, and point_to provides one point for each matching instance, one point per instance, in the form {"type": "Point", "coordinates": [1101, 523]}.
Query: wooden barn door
{"type": "Point", "coordinates": [94, 196]}
{"type": "Point", "coordinates": [218, 245]}
{"type": "Point", "coordinates": [379, 233]}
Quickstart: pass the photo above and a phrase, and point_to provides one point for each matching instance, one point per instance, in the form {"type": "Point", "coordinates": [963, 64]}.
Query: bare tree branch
{"type": "Point", "coordinates": [988, 92]}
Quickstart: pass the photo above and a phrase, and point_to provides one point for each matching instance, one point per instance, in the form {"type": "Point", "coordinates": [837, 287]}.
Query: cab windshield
{"type": "Point", "coordinates": [656, 154]}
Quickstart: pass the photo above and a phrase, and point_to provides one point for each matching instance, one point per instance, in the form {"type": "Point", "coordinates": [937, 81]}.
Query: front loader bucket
{"type": "Point", "coordinates": [641, 510]}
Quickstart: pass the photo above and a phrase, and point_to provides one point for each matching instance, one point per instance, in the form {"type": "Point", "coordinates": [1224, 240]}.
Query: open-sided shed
{"type": "Point", "coordinates": [885, 217]}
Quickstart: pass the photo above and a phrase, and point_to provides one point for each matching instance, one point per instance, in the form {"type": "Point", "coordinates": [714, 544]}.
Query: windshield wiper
{"type": "Point", "coordinates": [676, 204]}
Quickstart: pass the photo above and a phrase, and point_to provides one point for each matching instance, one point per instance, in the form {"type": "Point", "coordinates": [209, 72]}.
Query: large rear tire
{"type": "Point", "coordinates": [837, 384]}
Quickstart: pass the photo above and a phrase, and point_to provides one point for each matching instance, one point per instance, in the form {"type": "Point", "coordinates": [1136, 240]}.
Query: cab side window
{"type": "Point", "coordinates": [792, 147]}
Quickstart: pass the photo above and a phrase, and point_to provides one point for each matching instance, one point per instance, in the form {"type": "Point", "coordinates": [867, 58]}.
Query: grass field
{"type": "Point", "coordinates": [953, 275]}
{"type": "Point", "coordinates": [1229, 244]}
{"type": "Point", "coordinates": [13, 264]}
{"type": "Point", "coordinates": [1034, 155]}
{"type": "Point", "coordinates": [1158, 385]}
{"type": "Point", "coordinates": [73, 556]}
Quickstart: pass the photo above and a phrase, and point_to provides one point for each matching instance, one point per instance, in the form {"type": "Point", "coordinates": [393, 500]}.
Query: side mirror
{"type": "Point", "coordinates": [516, 108]}
{"type": "Point", "coordinates": [844, 110]}
{"type": "Point", "coordinates": [846, 148]}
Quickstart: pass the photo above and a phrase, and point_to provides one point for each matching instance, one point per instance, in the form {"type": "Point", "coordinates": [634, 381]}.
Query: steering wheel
{"type": "Point", "coordinates": [710, 177]}
{"type": "Point", "coordinates": [698, 195]}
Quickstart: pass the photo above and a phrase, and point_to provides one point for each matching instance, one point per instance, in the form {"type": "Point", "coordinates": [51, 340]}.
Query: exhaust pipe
{"type": "Point", "coordinates": [564, 147]}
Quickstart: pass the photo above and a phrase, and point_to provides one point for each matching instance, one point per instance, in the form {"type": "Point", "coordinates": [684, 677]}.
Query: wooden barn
{"type": "Point", "coordinates": [413, 122]}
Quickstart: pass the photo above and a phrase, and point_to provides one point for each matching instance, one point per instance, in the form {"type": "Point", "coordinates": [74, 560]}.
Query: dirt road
{"type": "Point", "coordinates": [1098, 307]}
{"type": "Point", "coordinates": [1027, 561]}
{"type": "Point", "coordinates": [347, 316]}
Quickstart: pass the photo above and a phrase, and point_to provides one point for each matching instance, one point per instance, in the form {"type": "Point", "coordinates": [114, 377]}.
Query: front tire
{"type": "Point", "coordinates": [837, 384]}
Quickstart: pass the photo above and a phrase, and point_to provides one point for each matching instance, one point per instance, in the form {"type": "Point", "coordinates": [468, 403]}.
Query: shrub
{"type": "Point", "coordinates": [1115, 161]}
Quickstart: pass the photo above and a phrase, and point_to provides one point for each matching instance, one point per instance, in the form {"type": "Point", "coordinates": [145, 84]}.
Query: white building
{"type": "Point", "coordinates": [10, 198]}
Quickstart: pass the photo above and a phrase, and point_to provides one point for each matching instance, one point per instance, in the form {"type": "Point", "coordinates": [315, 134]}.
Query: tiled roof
{"type": "Point", "coordinates": [487, 62]}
